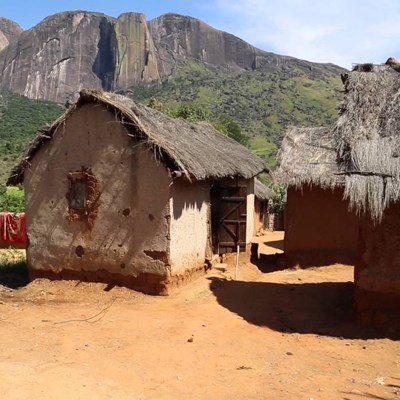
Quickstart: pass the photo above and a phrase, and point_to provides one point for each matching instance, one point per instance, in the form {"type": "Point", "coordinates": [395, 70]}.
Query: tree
{"type": "Point", "coordinates": [231, 128]}
{"type": "Point", "coordinates": [189, 113]}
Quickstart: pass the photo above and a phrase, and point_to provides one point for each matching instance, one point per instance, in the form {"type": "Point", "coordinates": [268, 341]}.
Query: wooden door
{"type": "Point", "coordinates": [229, 214]}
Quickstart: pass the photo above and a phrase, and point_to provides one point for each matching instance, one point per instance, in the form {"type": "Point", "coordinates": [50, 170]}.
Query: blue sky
{"type": "Point", "coordinates": [341, 31]}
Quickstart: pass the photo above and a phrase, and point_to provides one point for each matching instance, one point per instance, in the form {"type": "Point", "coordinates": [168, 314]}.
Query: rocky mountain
{"type": "Point", "coordinates": [178, 39]}
{"type": "Point", "coordinates": [179, 60]}
{"type": "Point", "coordinates": [72, 50]}
{"type": "Point", "coordinates": [9, 32]}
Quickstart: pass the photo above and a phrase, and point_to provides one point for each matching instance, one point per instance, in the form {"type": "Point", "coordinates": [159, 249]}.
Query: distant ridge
{"type": "Point", "coordinates": [75, 49]}
{"type": "Point", "coordinates": [177, 59]}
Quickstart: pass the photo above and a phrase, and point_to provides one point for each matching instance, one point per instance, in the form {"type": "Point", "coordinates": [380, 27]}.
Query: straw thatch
{"type": "Point", "coordinates": [308, 157]}
{"type": "Point", "coordinates": [368, 138]}
{"type": "Point", "coordinates": [197, 151]}
{"type": "Point", "coordinates": [263, 192]}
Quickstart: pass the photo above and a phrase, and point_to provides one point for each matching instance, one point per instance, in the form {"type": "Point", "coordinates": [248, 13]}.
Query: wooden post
{"type": "Point", "coordinates": [237, 262]}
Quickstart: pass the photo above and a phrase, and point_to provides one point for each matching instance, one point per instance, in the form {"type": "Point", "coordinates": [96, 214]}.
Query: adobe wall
{"type": "Point", "coordinates": [190, 226]}
{"type": "Point", "coordinates": [377, 270]}
{"type": "Point", "coordinates": [250, 210]}
{"type": "Point", "coordinates": [319, 226]}
{"type": "Point", "coordinates": [260, 211]}
{"type": "Point", "coordinates": [129, 237]}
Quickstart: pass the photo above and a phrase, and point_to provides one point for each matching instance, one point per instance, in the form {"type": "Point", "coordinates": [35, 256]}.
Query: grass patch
{"type": "Point", "coordinates": [265, 149]}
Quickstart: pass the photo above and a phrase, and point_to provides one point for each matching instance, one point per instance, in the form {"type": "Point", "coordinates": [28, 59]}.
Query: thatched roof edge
{"type": "Point", "coordinates": [198, 150]}
{"type": "Point", "coordinates": [262, 192]}
{"type": "Point", "coordinates": [308, 157]}
{"type": "Point", "coordinates": [367, 133]}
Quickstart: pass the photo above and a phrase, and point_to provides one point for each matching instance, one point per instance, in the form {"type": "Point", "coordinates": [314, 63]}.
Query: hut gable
{"type": "Point", "coordinates": [308, 157]}
{"type": "Point", "coordinates": [368, 138]}
{"type": "Point", "coordinates": [194, 150]}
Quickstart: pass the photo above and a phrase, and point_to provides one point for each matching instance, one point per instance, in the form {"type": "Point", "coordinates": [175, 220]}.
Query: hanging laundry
{"type": "Point", "coordinates": [13, 227]}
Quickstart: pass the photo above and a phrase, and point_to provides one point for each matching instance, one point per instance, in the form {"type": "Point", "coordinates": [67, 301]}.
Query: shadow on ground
{"type": "Point", "coordinates": [276, 244]}
{"type": "Point", "coordinates": [270, 262]}
{"type": "Point", "coordinates": [319, 308]}
{"type": "Point", "coordinates": [279, 261]}
{"type": "Point", "coordinates": [14, 275]}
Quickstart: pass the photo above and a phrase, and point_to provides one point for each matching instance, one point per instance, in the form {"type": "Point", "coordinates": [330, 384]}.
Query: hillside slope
{"type": "Point", "coordinates": [176, 59]}
{"type": "Point", "coordinates": [20, 119]}
{"type": "Point", "coordinates": [264, 103]}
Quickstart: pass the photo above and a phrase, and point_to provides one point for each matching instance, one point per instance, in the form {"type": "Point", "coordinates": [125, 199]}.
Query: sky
{"type": "Point", "coordinates": [343, 32]}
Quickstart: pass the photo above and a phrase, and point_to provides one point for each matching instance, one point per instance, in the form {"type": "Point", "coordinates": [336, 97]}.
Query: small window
{"type": "Point", "coordinates": [78, 191]}
{"type": "Point", "coordinates": [83, 196]}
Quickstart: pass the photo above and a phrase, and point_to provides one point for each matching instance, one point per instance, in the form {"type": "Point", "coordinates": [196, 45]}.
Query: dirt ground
{"type": "Point", "coordinates": [287, 334]}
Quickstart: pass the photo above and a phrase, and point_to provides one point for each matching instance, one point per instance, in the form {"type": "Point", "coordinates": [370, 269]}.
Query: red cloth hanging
{"type": "Point", "coordinates": [13, 227]}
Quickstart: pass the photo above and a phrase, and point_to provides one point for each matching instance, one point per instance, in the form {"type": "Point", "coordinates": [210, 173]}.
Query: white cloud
{"type": "Point", "coordinates": [341, 31]}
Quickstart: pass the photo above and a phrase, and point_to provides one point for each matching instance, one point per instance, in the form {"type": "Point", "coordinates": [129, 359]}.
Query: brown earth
{"type": "Point", "coordinates": [287, 334]}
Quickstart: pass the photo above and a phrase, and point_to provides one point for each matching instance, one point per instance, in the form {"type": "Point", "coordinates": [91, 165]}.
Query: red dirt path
{"type": "Point", "coordinates": [283, 335]}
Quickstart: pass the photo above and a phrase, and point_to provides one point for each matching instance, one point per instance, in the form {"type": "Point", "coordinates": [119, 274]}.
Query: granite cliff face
{"type": "Point", "coordinates": [137, 61]}
{"type": "Point", "coordinates": [179, 38]}
{"type": "Point", "coordinates": [57, 57]}
{"type": "Point", "coordinates": [72, 50]}
{"type": "Point", "coordinates": [9, 31]}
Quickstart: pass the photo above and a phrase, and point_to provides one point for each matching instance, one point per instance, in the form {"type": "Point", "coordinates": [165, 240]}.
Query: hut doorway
{"type": "Point", "coordinates": [228, 218]}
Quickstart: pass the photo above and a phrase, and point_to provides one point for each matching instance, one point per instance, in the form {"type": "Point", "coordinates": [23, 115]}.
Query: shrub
{"type": "Point", "coordinates": [12, 199]}
{"type": "Point", "coordinates": [277, 204]}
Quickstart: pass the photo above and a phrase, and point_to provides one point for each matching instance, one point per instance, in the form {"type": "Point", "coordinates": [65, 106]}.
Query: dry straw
{"type": "Point", "coordinates": [368, 138]}
{"type": "Point", "coordinates": [308, 157]}
{"type": "Point", "coordinates": [197, 150]}
{"type": "Point", "coordinates": [263, 192]}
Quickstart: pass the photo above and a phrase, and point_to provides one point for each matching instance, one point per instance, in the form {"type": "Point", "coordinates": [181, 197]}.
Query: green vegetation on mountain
{"type": "Point", "coordinates": [253, 107]}
{"type": "Point", "coordinates": [263, 103]}
{"type": "Point", "coordinates": [20, 119]}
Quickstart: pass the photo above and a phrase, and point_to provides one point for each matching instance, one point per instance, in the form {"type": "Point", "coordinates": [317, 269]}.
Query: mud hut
{"type": "Point", "coordinates": [369, 155]}
{"type": "Point", "coordinates": [262, 195]}
{"type": "Point", "coordinates": [319, 228]}
{"type": "Point", "coordinates": [120, 193]}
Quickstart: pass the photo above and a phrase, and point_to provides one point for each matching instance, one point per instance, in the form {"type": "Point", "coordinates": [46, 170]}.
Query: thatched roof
{"type": "Point", "coordinates": [308, 157]}
{"type": "Point", "coordinates": [197, 150]}
{"type": "Point", "coordinates": [262, 192]}
{"type": "Point", "coordinates": [368, 134]}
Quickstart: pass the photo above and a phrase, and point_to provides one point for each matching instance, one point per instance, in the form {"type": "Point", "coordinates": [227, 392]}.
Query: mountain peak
{"type": "Point", "coordinates": [47, 62]}
{"type": "Point", "coordinates": [9, 31]}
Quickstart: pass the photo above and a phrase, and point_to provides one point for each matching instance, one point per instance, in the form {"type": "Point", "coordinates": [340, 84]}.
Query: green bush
{"type": "Point", "coordinates": [189, 113]}
{"type": "Point", "coordinates": [231, 128]}
{"type": "Point", "coordinates": [277, 204]}
{"type": "Point", "coordinates": [12, 199]}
